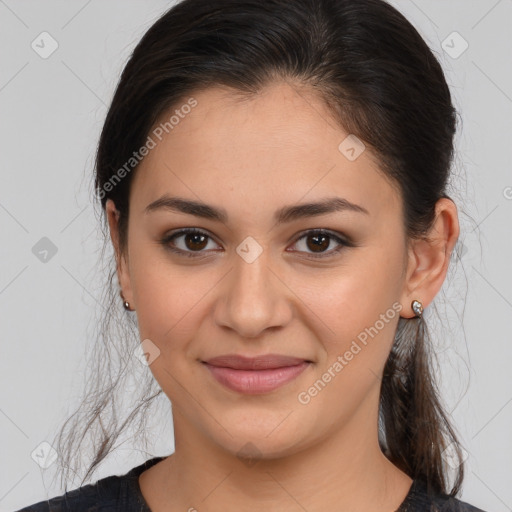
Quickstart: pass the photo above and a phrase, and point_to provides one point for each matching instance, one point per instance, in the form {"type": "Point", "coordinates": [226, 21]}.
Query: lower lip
{"type": "Point", "coordinates": [254, 382]}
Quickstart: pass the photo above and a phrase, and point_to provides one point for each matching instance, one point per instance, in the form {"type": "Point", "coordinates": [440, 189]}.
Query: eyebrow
{"type": "Point", "coordinates": [283, 215]}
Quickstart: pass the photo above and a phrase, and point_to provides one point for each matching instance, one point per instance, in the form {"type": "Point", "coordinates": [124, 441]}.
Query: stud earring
{"type": "Point", "coordinates": [126, 304]}
{"type": "Point", "coordinates": [417, 307]}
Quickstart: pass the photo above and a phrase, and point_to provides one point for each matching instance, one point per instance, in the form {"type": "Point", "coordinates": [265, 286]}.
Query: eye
{"type": "Point", "coordinates": [193, 241]}
{"type": "Point", "coordinates": [318, 240]}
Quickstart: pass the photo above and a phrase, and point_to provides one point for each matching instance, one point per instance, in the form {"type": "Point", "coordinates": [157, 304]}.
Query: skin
{"type": "Point", "coordinates": [253, 157]}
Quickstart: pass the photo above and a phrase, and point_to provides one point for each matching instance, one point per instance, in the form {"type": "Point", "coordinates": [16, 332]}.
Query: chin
{"type": "Point", "coordinates": [259, 436]}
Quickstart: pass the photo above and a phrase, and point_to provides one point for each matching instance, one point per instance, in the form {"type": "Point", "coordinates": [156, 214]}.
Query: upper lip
{"type": "Point", "coordinates": [263, 362]}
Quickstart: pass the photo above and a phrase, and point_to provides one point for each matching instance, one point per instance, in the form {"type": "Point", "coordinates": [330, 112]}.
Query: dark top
{"type": "Point", "coordinates": [123, 494]}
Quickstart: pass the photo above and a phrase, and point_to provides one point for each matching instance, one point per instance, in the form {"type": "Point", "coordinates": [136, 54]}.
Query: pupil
{"type": "Point", "coordinates": [196, 239]}
{"type": "Point", "coordinates": [316, 245]}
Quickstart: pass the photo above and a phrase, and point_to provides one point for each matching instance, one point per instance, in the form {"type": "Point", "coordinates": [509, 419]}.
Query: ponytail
{"type": "Point", "coordinates": [415, 429]}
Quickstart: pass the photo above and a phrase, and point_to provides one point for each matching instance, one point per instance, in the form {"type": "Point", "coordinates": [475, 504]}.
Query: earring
{"type": "Point", "coordinates": [417, 307]}
{"type": "Point", "coordinates": [126, 304]}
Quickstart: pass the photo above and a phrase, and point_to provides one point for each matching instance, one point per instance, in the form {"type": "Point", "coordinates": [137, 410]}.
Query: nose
{"type": "Point", "coordinates": [253, 298]}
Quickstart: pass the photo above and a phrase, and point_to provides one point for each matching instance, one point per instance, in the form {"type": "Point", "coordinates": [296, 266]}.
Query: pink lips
{"type": "Point", "coordinates": [255, 375]}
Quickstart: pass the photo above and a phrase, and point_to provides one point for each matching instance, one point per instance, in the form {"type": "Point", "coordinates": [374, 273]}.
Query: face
{"type": "Point", "coordinates": [261, 279]}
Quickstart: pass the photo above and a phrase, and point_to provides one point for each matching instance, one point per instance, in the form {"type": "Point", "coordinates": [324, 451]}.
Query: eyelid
{"type": "Point", "coordinates": [165, 241]}
{"type": "Point", "coordinates": [341, 239]}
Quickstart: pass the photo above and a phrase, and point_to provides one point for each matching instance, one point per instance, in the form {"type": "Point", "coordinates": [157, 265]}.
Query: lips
{"type": "Point", "coordinates": [255, 375]}
{"type": "Point", "coordinates": [264, 362]}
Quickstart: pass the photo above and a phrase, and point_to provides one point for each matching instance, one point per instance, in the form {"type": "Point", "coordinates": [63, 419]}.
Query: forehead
{"type": "Point", "coordinates": [277, 146]}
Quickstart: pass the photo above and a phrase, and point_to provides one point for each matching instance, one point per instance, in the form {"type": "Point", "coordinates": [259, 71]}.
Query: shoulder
{"type": "Point", "coordinates": [103, 495]}
{"type": "Point", "coordinates": [421, 499]}
{"type": "Point", "coordinates": [99, 496]}
{"type": "Point", "coordinates": [110, 494]}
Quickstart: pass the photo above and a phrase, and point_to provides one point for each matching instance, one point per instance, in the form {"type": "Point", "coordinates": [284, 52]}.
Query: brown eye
{"type": "Point", "coordinates": [195, 241]}
{"type": "Point", "coordinates": [317, 243]}
{"type": "Point", "coordinates": [187, 242]}
{"type": "Point", "coordinates": [192, 242]}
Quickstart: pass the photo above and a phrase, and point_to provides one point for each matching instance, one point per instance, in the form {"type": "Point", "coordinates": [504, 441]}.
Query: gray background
{"type": "Point", "coordinates": [51, 112]}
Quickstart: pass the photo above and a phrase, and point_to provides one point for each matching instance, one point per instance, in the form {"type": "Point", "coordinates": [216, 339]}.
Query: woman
{"type": "Point", "coordinates": [274, 177]}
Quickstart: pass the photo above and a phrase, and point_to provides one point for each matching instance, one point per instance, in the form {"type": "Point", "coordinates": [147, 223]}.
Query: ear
{"type": "Point", "coordinates": [123, 274]}
{"type": "Point", "coordinates": [428, 258]}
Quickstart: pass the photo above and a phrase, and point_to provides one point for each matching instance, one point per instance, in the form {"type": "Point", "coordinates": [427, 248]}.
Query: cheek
{"type": "Point", "coordinates": [168, 300]}
{"type": "Point", "coordinates": [358, 318]}
{"type": "Point", "coordinates": [173, 303]}
{"type": "Point", "coordinates": [357, 308]}
{"type": "Point", "coordinates": [169, 310]}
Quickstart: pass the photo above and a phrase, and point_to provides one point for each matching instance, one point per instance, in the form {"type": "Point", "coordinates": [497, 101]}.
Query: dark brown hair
{"type": "Point", "coordinates": [381, 82]}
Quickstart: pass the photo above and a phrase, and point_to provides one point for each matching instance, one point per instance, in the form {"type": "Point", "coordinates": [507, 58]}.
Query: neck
{"type": "Point", "coordinates": [346, 465]}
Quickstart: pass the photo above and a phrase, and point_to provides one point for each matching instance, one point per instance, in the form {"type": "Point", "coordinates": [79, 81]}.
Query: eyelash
{"type": "Point", "coordinates": [197, 254]}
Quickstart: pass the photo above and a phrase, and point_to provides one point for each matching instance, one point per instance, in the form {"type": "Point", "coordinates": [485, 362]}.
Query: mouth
{"type": "Point", "coordinates": [255, 375]}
